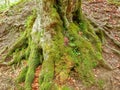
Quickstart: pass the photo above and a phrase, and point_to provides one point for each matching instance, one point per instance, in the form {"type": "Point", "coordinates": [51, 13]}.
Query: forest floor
{"type": "Point", "coordinates": [102, 14]}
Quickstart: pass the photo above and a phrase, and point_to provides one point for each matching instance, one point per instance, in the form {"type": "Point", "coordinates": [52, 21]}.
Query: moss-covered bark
{"type": "Point", "coordinates": [62, 41]}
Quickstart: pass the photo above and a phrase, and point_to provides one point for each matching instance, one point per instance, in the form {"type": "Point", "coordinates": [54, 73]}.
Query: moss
{"type": "Point", "coordinates": [63, 62]}
{"type": "Point", "coordinates": [18, 3]}
{"type": "Point", "coordinates": [32, 52]}
{"type": "Point", "coordinates": [80, 54]}
{"type": "Point", "coordinates": [30, 20]}
{"type": "Point", "coordinates": [25, 48]}
{"type": "Point", "coordinates": [34, 61]}
{"type": "Point", "coordinates": [3, 8]}
{"type": "Point", "coordinates": [24, 38]}
{"type": "Point", "coordinates": [22, 75]}
{"type": "Point", "coordinates": [21, 41]}
{"type": "Point", "coordinates": [100, 84]}
{"type": "Point", "coordinates": [66, 88]}
{"type": "Point", "coordinates": [47, 72]}
{"type": "Point", "coordinates": [18, 49]}
{"type": "Point", "coordinates": [59, 87]}
{"type": "Point", "coordinates": [29, 79]}
{"type": "Point", "coordinates": [116, 2]}
{"type": "Point", "coordinates": [27, 52]}
{"type": "Point", "coordinates": [86, 54]}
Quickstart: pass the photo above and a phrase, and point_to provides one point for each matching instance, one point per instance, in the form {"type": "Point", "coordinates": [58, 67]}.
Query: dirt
{"type": "Point", "coordinates": [35, 84]}
{"type": "Point", "coordinates": [12, 22]}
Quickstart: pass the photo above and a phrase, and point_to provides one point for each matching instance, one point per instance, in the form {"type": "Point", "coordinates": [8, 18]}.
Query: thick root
{"type": "Point", "coordinates": [34, 61]}
{"type": "Point", "coordinates": [22, 75]}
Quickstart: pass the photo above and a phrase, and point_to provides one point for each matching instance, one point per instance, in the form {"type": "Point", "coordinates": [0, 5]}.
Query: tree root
{"type": "Point", "coordinates": [22, 75]}
{"type": "Point", "coordinates": [3, 50]}
{"type": "Point", "coordinates": [114, 50]}
{"type": "Point", "coordinates": [115, 42]}
{"type": "Point", "coordinates": [105, 65]}
{"type": "Point", "coordinates": [102, 30]}
{"type": "Point", "coordinates": [34, 61]}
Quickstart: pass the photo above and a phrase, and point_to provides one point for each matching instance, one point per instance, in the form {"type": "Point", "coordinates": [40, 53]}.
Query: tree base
{"type": "Point", "coordinates": [63, 48]}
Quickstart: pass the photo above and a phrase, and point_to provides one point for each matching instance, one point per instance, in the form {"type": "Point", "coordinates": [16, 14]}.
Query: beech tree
{"type": "Point", "coordinates": [60, 39]}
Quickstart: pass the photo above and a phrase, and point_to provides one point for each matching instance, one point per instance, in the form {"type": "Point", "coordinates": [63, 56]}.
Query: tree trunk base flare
{"type": "Point", "coordinates": [59, 38]}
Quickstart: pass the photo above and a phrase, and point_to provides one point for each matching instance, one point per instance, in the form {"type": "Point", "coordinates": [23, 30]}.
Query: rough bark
{"type": "Point", "coordinates": [61, 40]}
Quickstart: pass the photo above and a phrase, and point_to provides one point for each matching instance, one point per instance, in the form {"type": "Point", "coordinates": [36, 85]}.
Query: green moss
{"type": "Point", "coordinates": [24, 48]}
{"type": "Point", "coordinates": [100, 84]}
{"type": "Point", "coordinates": [116, 2]}
{"type": "Point", "coordinates": [23, 41]}
{"type": "Point", "coordinates": [18, 3]}
{"type": "Point", "coordinates": [63, 62]}
{"type": "Point", "coordinates": [22, 75]}
{"type": "Point", "coordinates": [30, 20]}
{"type": "Point", "coordinates": [27, 52]}
{"type": "Point", "coordinates": [3, 8]}
{"type": "Point", "coordinates": [32, 53]}
{"type": "Point", "coordinates": [80, 54]}
{"type": "Point", "coordinates": [60, 87]}
{"type": "Point", "coordinates": [84, 50]}
{"type": "Point", "coordinates": [47, 72]}
{"type": "Point", "coordinates": [66, 88]}
{"type": "Point", "coordinates": [17, 57]}
{"type": "Point", "coordinates": [34, 61]}
{"type": "Point", "coordinates": [29, 79]}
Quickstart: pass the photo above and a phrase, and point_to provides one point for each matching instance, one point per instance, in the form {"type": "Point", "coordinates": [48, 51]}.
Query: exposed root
{"type": "Point", "coordinates": [3, 50]}
{"type": "Point", "coordinates": [102, 30]}
{"type": "Point", "coordinates": [105, 65]}
{"type": "Point", "coordinates": [22, 75]}
{"type": "Point", "coordinates": [114, 50]}
{"type": "Point", "coordinates": [115, 42]}
{"type": "Point", "coordinates": [34, 61]}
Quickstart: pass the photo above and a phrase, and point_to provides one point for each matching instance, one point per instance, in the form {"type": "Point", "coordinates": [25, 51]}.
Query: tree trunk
{"type": "Point", "coordinates": [62, 41]}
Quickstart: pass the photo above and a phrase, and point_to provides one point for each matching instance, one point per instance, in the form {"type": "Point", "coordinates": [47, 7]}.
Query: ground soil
{"type": "Point", "coordinates": [99, 11]}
